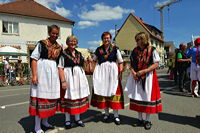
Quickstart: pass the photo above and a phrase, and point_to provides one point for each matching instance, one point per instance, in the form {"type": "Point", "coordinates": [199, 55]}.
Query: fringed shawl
{"type": "Point", "coordinates": [103, 55]}
{"type": "Point", "coordinates": [142, 59]}
{"type": "Point", "coordinates": [52, 51]}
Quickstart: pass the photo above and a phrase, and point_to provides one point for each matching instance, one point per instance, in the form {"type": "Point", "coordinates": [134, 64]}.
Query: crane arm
{"type": "Point", "coordinates": [166, 3]}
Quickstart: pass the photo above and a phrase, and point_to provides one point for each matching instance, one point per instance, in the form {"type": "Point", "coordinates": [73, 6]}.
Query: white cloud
{"type": "Point", "coordinates": [86, 24]}
{"type": "Point", "coordinates": [49, 3]}
{"type": "Point", "coordinates": [55, 5]}
{"type": "Point", "coordinates": [4, 1]}
{"type": "Point", "coordinates": [94, 42]}
{"type": "Point", "coordinates": [112, 31]}
{"type": "Point", "coordinates": [62, 11]}
{"type": "Point", "coordinates": [103, 12]}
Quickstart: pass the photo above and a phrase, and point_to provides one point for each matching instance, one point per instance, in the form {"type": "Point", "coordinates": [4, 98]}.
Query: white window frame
{"type": "Point", "coordinates": [10, 24]}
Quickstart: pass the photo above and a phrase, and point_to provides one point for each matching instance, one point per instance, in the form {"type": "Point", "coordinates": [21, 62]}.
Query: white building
{"type": "Point", "coordinates": [24, 22]}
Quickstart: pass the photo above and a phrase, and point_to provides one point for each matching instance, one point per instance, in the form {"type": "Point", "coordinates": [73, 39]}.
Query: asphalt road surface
{"type": "Point", "coordinates": [179, 114]}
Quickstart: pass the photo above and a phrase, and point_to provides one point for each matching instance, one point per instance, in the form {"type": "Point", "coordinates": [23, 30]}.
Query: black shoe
{"type": "Point", "coordinates": [47, 128]}
{"type": "Point", "coordinates": [139, 123]}
{"type": "Point", "coordinates": [147, 125]}
{"type": "Point", "coordinates": [68, 126]}
{"type": "Point", "coordinates": [117, 122]}
{"type": "Point", "coordinates": [106, 118]}
{"type": "Point", "coordinates": [80, 123]}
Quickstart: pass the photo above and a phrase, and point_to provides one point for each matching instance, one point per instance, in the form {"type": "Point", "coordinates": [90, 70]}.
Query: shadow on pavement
{"type": "Point", "coordinates": [184, 120]}
{"type": "Point", "coordinates": [168, 87]}
{"type": "Point", "coordinates": [167, 84]}
{"type": "Point", "coordinates": [58, 120]}
{"type": "Point", "coordinates": [126, 120]}
{"type": "Point", "coordinates": [175, 93]}
{"type": "Point", "coordinates": [27, 123]}
{"type": "Point", "coordinates": [163, 76]}
{"type": "Point", "coordinates": [98, 117]}
{"type": "Point", "coordinates": [91, 116]}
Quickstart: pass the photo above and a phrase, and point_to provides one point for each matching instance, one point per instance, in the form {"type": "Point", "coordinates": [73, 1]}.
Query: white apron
{"type": "Point", "coordinates": [48, 80]}
{"type": "Point", "coordinates": [105, 79]}
{"type": "Point", "coordinates": [77, 83]}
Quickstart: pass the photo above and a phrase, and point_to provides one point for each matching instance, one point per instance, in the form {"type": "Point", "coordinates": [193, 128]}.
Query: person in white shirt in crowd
{"type": "Point", "coordinates": [11, 71]}
{"type": "Point", "coordinates": [6, 66]}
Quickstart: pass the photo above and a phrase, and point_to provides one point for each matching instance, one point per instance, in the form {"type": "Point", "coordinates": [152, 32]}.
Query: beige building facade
{"type": "Point", "coordinates": [125, 38]}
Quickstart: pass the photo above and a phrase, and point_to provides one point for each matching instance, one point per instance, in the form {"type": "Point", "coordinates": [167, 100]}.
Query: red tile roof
{"type": "Point", "coordinates": [31, 8]}
{"type": "Point", "coordinates": [143, 25]}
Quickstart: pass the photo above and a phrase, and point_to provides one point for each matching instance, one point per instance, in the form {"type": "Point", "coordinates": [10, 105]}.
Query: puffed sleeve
{"type": "Point", "coordinates": [156, 57]}
{"type": "Point", "coordinates": [119, 57]}
{"type": "Point", "coordinates": [61, 62]}
{"type": "Point", "coordinates": [36, 52]}
{"type": "Point", "coordinates": [95, 56]}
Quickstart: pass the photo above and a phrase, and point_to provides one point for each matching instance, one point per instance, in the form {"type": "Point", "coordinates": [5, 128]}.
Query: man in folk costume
{"type": "Point", "coordinates": [75, 87]}
{"type": "Point", "coordinates": [142, 84]}
{"type": "Point", "coordinates": [107, 79]}
{"type": "Point", "coordinates": [45, 88]}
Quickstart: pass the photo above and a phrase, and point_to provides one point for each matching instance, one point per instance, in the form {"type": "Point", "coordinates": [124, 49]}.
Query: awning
{"type": "Point", "coordinates": [7, 50]}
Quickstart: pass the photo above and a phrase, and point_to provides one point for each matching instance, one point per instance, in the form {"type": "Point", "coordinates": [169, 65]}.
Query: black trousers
{"type": "Point", "coordinates": [175, 75]}
{"type": "Point", "coordinates": [182, 78]}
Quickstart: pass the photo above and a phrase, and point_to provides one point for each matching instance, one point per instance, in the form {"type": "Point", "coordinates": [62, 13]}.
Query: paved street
{"type": "Point", "coordinates": [179, 113]}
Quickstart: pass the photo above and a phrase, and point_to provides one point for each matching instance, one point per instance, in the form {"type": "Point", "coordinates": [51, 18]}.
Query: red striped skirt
{"type": "Point", "coordinates": [113, 102]}
{"type": "Point", "coordinates": [153, 106]}
{"type": "Point", "coordinates": [43, 108]}
{"type": "Point", "coordinates": [73, 107]}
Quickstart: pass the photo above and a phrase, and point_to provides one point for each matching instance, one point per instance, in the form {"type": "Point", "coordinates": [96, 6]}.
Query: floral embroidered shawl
{"type": "Point", "coordinates": [141, 59]}
{"type": "Point", "coordinates": [53, 49]}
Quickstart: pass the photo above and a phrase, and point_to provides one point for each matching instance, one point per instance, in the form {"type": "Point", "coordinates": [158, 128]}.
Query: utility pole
{"type": "Point", "coordinates": [160, 7]}
{"type": "Point", "coordinates": [115, 29]}
{"type": "Point", "coordinates": [114, 41]}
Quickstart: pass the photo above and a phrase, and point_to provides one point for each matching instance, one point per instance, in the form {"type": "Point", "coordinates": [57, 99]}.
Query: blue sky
{"type": "Point", "coordinates": [92, 17]}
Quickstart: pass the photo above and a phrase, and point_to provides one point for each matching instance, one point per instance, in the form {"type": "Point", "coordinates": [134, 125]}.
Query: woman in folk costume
{"type": "Point", "coordinates": [75, 88]}
{"type": "Point", "coordinates": [142, 84]}
{"type": "Point", "coordinates": [107, 84]}
{"type": "Point", "coordinates": [45, 88]}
